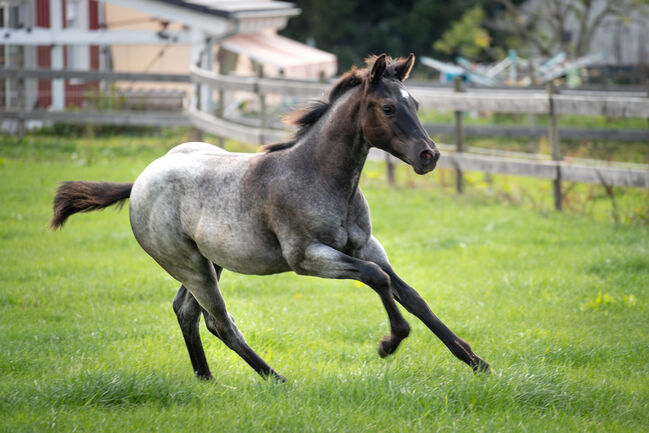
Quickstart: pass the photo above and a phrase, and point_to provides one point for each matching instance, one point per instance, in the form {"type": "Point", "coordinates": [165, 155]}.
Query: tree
{"type": "Point", "coordinates": [562, 25]}
{"type": "Point", "coordinates": [354, 29]}
{"type": "Point", "coordinates": [466, 36]}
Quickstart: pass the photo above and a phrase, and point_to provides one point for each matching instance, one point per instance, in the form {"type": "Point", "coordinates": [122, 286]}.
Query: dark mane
{"type": "Point", "coordinates": [305, 115]}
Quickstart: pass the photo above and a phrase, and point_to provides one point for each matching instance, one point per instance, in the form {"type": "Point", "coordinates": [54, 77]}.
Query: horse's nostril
{"type": "Point", "coordinates": [426, 157]}
{"type": "Point", "coordinates": [436, 155]}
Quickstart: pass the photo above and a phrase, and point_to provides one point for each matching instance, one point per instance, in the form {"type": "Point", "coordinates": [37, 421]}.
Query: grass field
{"type": "Point", "coordinates": [558, 304]}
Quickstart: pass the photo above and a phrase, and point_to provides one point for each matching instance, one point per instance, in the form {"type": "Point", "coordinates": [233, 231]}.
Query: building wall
{"type": "Point", "coordinates": [169, 59]}
{"type": "Point", "coordinates": [161, 58]}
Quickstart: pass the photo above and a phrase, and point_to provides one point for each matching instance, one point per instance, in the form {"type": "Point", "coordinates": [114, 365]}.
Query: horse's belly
{"type": "Point", "coordinates": [241, 249]}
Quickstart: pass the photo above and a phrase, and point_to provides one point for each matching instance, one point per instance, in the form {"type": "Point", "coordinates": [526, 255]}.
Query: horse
{"type": "Point", "coordinates": [294, 206]}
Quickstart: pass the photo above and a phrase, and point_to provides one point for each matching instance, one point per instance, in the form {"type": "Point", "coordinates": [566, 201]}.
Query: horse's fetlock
{"type": "Point", "coordinates": [402, 331]}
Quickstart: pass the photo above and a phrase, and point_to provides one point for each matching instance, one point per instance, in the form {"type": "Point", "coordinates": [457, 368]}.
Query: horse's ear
{"type": "Point", "coordinates": [378, 68]}
{"type": "Point", "coordinates": [402, 68]}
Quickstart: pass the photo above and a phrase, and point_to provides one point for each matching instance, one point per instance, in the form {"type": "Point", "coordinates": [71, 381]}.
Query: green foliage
{"type": "Point", "coordinates": [352, 30]}
{"type": "Point", "coordinates": [466, 37]}
{"type": "Point", "coordinates": [105, 100]}
{"type": "Point", "coordinates": [89, 341]}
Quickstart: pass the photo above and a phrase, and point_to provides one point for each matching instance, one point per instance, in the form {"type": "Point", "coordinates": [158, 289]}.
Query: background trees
{"type": "Point", "coordinates": [479, 29]}
{"type": "Point", "coordinates": [352, 30]}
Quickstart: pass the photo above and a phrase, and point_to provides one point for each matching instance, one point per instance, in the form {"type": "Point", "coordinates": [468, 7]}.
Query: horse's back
{"type": "Point", "coordinates": [196, 148]}
{"type": "Point", "coordinates": [183, 167]}
{"type": "Point", "coordinates": [190, 177]}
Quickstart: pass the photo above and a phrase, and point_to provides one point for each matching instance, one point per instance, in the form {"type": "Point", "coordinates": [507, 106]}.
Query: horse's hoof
{"type": "Point", "coordinates": [204, 377]}
{"type": "Point", "coordinates": [385, 347]}
{"type": "Point", "coordinates": [274, 376]}
{"type": "Point", "coordinates": [481, 367]}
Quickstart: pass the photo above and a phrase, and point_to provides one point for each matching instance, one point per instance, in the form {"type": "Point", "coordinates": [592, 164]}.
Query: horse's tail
{"type": "Point", "coordinates": [82, 196]}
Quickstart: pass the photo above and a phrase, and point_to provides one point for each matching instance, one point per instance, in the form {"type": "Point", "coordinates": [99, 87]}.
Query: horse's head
{"type": "Point", "coordinates": [388, 116]}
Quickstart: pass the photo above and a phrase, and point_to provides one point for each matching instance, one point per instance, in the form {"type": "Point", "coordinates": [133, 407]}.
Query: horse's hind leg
{"type": "Point", "coordinates": [200, 278]}
{"type": "Point", "coordinates": [245, 351]}
{"type": "Point", "coordinates": [188, 312]}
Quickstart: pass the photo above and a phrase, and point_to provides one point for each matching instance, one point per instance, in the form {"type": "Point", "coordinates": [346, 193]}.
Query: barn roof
{"type": "Point", "coordinates": [236, 9]}
{"type": "Point", "coordinates": [294, 59]}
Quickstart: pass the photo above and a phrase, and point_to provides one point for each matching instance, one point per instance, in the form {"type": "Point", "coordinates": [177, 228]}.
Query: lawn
{"type": "Point", "coordinates": [557, 303]}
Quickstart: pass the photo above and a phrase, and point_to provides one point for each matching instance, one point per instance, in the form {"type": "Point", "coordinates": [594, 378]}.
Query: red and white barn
{"type": "Point", "coordinates": [146, 36]}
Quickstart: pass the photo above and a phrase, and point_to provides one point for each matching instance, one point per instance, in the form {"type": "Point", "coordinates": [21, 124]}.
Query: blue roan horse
{"type": "Point", "coordinates": [295, 207]}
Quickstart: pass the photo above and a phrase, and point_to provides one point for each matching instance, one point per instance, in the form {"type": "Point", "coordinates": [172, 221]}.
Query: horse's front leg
{"type": "Point", "coordinates": [413, 302]}
{"type": "Point", "coordinates": [323, 261]}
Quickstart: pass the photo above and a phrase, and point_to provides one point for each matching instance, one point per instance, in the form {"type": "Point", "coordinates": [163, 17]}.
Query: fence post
{"type": "Point", "coordinates": [57, 60]}
{"type": "Point", "coordinates": [195, 133]}
{"type": "Point", "coordinates": [648, 122]}
{"type": "Point", "coordinates": [262, 103]}
{"type": "Point", "coordinates": [220, 112]}
{"type": "Point", "coordinates": [389, 165]}
{"type": "Point", "coordinates": [208, 64]}
{"type": "Point", "coordinates": [459, 135]}
{"type": "Point", "coordinates": [553, 138]}
{"type": "Point", "coordinates": [534, 142]}
{"type": "Point", "coordinates": [20, 124]}
{"type": "Point", "coordinates": [220, 108]}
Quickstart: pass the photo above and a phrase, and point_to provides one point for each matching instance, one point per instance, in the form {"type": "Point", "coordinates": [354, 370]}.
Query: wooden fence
{"type": "Point", "coordinates": [500, 101]}
{"type": "Point", "coordinates": [84, 115]}
{"type": "Point", "coordinates": [205, 112]}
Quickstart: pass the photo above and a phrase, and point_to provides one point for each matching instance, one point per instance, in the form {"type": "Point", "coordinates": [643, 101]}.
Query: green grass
{"type": "Point", "coordinates": [557, 303]}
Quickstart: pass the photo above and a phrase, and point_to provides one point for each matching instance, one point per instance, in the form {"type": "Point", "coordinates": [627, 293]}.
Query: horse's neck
{"type": "Point", "coordinates": [337, 147]}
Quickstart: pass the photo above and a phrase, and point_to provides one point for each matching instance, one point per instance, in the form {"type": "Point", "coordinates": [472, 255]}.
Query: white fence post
{"type": "Point", "coordinates": [553, 138]}
{"type": "Point", "coordinates": [56, 54]}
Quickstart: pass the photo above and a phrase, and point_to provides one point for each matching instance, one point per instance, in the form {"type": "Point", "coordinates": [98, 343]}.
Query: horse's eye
{"type": "Point", "coordinates": [388, 109]}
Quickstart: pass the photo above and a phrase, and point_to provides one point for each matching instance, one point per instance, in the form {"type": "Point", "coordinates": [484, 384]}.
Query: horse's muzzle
{"type": "Point", "coordinates": [427, 161]}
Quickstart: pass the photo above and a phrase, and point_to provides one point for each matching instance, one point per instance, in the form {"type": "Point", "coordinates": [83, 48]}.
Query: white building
{"type": "Point", "coordinates": [146, 36]}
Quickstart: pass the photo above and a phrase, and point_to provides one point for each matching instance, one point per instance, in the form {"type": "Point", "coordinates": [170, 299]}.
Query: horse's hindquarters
{"type": "Point", "coordinates": [193, 203]}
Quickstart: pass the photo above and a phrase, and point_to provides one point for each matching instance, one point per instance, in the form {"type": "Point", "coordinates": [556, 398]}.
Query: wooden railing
{"type": "Point", "coordinates": [88, 114]}
{"type": "Point", "coordinates": [206, 113]}
{"type": "Point", "coordinates": [502, 101]}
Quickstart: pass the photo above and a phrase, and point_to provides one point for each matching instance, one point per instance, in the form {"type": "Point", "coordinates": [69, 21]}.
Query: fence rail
{"type": "Point", "coordinates": [66, 74]}
{"type": "Point", "coordinates": [607, 104]}
{"type": "Point", "coordinates": [489, 101]}
{"type": "Point", "coordinates": [508, 131]}
{"type": "Point", "coordinates": [124, 117]}
{"type": "Point", "coordinates": [533, 103]}
{"type": "Point", "coordinates": [533, 131]}
{"type": "Point", "coordinates": [552, 170]}
{"type": "Point", "coordinates": [210, 118]}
